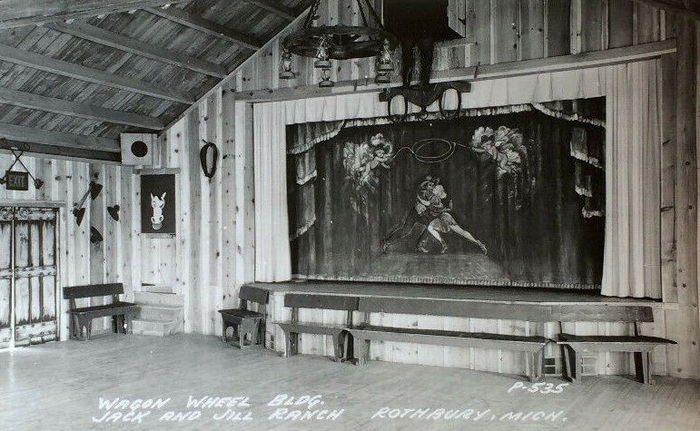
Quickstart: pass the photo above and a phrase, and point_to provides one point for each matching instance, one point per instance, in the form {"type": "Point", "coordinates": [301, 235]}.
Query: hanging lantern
{"type": "Point", "coordinates": [344, 41]}
{"type": "Point", "coordinates": [286, 71]}
{"type": "Point", "coordinates": [326, 78]}
{"type": "Point", "coordinates": [322, 61]}
{"type": "Point", "coordinates": [385, 63]}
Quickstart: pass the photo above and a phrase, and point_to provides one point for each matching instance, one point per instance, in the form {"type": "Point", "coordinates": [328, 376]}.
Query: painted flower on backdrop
{"type": "Point", "coordinates": [504, 146]}
{"type": "Point", "coordinates": [361, 162]}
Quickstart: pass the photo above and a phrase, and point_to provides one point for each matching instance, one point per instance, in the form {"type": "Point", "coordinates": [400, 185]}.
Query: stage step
{"type": "Point", "coordinates": [157, 328]}
{"type": "Point", "coordinates": [160, 312]}
{"type": "Point", "coordinates": [158, 288]}
{"type": "Point", "coordinates": [155, 298]}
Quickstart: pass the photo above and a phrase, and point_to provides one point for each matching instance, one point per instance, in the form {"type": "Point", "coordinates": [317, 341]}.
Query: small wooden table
{"type": "Point", "coordinates": [641, 346]}
{"type": "Point", "coordinates": [245, 324]}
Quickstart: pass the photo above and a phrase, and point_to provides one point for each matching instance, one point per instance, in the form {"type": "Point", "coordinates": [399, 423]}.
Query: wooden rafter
{"type": "Point", "coordinates": [60, 67]}
{"type": "Point", "coordinates": [18, 13]}
{"type": "Point", "coordinates": [672, 8]}
{"type": "Point", "coordinates": [54, 152]}
{"type": "Point", "coordinates": [276, 8]}
{"type": "Point", "coordinates": [211, 28]}
{"type": "Point", "coordinates": [135, 46]}
{"type": "Point", "coordinates": [73, 109]}
{"type": "Point", "coordinates": [57, 139]}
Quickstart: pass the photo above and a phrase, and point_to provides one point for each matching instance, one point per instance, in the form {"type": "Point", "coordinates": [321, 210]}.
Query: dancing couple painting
{"type": "Point", "coordinates": [432, 215]}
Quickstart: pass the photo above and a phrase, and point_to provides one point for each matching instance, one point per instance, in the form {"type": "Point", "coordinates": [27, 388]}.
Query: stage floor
{"type": "Point", "coordinates": [494, 294]}
{"type": "Point", "coordinates": [57, 386]}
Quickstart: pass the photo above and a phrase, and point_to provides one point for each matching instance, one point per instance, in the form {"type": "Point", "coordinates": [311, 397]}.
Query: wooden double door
{"type": "Point", "coordinates": [28, 275]}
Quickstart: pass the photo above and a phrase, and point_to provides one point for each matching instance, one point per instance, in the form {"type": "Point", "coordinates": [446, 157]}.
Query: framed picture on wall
{"type": "Point", "coordinates": [158, 204]}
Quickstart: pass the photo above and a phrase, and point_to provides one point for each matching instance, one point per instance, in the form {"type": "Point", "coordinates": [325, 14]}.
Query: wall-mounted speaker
{"type": "Point", "coordinates": [137, 148]}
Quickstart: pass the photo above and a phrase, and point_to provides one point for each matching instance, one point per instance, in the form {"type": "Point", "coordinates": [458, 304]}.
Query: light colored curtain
{"type": "Point", "coordinates": [633, 204]}
{"type": "Point", "coordinates": [272, 255]}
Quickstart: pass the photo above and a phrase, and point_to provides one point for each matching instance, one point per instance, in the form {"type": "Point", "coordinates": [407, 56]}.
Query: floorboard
{"type": "Point", "coordinates": [57, 386]}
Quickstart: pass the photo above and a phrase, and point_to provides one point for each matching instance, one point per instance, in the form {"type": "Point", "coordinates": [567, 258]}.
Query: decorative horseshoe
{"type": "Point", "coordinates": [209, 172]}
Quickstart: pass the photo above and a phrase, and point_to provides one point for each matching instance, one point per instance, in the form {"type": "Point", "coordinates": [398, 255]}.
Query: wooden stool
{"type": "Point", "coordinates": [245, 324]}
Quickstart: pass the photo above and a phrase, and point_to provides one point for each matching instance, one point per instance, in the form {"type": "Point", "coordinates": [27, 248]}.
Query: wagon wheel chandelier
{"type": "Point", "coordinates": [340, 42]}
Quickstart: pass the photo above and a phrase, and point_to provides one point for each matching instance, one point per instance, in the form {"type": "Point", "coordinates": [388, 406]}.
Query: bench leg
{"type": "Point", "coordinates": [128, 329]}
{"type": "Point", "coordinates": [291, 344]}
{"type": "Point", "coordinates": [572, 364]}
{"type": "Point", "coordinates": [643, 367]}
{"type": "Point", "coordinates": [362, 352]}
{"type": "Point", "coordinates": [338, 351]}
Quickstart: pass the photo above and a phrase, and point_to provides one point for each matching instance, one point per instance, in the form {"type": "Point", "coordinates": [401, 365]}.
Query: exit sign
{"type": "Point", "coordinates": [16, 180]}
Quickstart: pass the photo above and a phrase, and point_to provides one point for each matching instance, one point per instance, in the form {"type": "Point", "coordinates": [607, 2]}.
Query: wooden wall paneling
{"type": "Point", "coordinates": [531, 25]}
{"type": "Point", "coordinates": [592, 12]}
{"type": "Point", "coordinates": [178, 157]}
{"type": "Point", "coordinates": [684, 324]}
{"type": "Point", "coordinates": [558, 34]}
{"type": "Point", "coordinates": [96, 251]}
{"type": "Point", "coordinates": [228, 199]}
{"type": "Point", "coordinates": [245, 197]}
{"type": "Point", "coordinates": [669, 288]}
{"type": "Point", "coordinates": [136, 250]}
{"type": "Point", "coordinates": [576, 26]}
{"type": "Point", "coordinates": [620, 23]}
{"type": "Point", "coordinates": [504, 31]}
{"type": "Point", "coordinates": [191, 181]}
{"type": "Point", "coordinates": [479, 29]}
{"type": "Point", "coordinates": [125, 232]}
{"type": "Point", "coordinates": [646, 19]}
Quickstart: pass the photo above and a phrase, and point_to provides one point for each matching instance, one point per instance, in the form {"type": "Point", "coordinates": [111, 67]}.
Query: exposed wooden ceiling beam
{"type": "Point", "coordinates": [211, 28]}
{"type": "Point", "coordinates": [275, 7]}
{"type": "Point", "coordinates": [52, 152]}
{"type": "Point", "coordinates": [672, 8]}
{"type": "Point", "coordinates": [60, 67]}
{"type": "Point", "coordinates": [73, 109]}
{"type": "Point", "coordinates": [135, 46]}
{"type": "Point", "coordinates": [18, 13]}
{"type": "Point", "coordinates": [57, 139]}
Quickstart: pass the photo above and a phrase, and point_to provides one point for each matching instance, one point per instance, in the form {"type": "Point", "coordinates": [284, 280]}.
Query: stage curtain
{"type": "Point", "coordinates": [633, 152]}
{"type": "Point", "coordinates": [272, 255]}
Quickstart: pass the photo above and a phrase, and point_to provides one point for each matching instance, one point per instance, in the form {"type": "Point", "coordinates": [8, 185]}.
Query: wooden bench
{"type": "Point", "coordinates": [81, 318]}
{"type": "Point", "coordinates": [248, 326]}
{"type": "Point", "coordinates": [574, 346]}
{"type": "Point", "coordinates": [531, 346]}
{"type": "Point", "coordinates": [325, 302]}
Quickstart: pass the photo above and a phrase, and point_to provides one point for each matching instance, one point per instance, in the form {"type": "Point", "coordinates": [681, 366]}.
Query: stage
{"type": "Point", "coordinates": [493, 294]}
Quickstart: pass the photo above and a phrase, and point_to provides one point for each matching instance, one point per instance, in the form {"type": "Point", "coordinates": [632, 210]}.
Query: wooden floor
{"type": "Point", "coordinates": [57, 386]}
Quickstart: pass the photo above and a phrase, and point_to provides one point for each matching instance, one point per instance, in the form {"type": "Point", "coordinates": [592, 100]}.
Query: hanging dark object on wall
{"type": "Point", "coordinates": [95, 235]}
{"type": "Point", "coordinates": [114, 212]}
{"type": "Point", "coordinates": [342, 41]}
{"type": "Point", "coordinates": [158, 204]}
{"type": "Point", "coordinates": [93, 191]}
{"type": "Point", "coordinates": [209, 170]}
{"type": "Point", "coordinates": [17, 180]}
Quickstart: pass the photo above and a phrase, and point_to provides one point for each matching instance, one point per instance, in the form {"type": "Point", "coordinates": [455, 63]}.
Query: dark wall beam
{"type": "Point", "coordinates": [73, 109]}
{"type": "Point", "coordinates": [18, 13]}
{"type": "Point", "coordinates": [211, 28]}
{"type": "Point", "coordinates": [135, 46]}
{"type": "Point", "coordinates": [60, 67]}
{"type": "Point", "coordinates": [58, 139]}
{"type": "Point", "coordinates": [275, 7]}
{"type": "Point", "coordinates": [54, 152]}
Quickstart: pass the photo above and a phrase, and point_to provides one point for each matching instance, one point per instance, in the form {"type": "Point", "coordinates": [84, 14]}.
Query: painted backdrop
{"type": "Point", "coordinates": [506, 196]}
